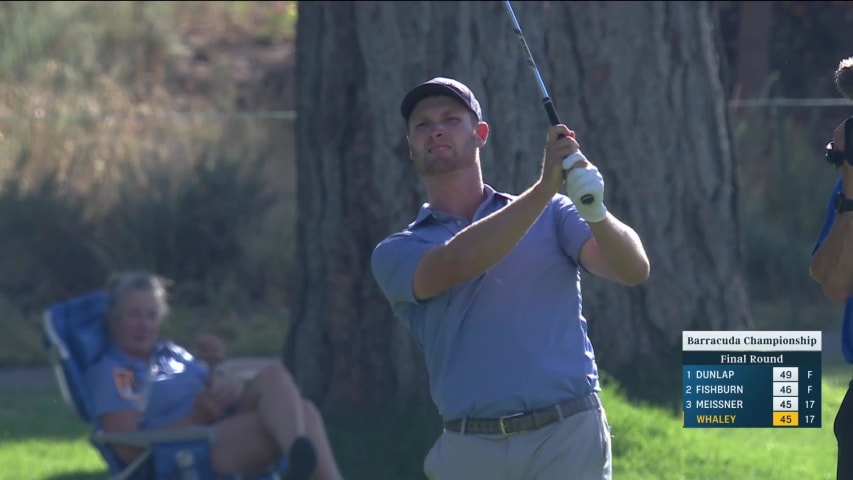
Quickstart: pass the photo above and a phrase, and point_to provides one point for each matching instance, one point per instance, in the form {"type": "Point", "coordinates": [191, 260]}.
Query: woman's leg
{"type": "Point", "coordinates": [327, 468]}
{"type": "Point", "coordinates": [243, 446]}
{"type": "Point", "coordinates": [274, 396]}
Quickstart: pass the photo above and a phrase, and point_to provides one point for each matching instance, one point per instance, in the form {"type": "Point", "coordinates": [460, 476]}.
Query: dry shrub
{"type": "Point", "coordinates": [98, 174]}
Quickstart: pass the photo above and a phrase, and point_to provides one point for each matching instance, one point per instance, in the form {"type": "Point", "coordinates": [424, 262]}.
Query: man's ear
{"type": "Point", "coordinates": [482, 132]}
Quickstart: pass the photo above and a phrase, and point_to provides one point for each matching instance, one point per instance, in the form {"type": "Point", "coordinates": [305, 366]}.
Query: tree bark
{"type": "Point", "coordinates": [647, 103]}
{"type": "Point", "coordinates": [753, 56]}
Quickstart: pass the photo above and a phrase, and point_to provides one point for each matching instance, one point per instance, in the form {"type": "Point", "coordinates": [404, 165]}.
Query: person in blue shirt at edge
{"type": "Point", "coordinates": [832, 267]}
{"type": "Point", "coordinates": [144, 382]}
{"type": "Point", "coordinates": [489, 285]}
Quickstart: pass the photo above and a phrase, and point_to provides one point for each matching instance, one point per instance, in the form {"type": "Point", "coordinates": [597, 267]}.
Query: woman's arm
{"type": "Point", "coordinates": [210, 349]}
{"type": "Point", "coordinates": [122, 421]}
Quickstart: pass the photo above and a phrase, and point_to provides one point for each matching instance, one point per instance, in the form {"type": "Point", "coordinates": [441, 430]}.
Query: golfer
{"type": "Point", "coordinates": [489, 285]}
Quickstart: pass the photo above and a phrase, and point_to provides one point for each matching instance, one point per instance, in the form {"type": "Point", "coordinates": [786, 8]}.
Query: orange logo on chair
{"type": "Point", "coordinates": [125, 383]}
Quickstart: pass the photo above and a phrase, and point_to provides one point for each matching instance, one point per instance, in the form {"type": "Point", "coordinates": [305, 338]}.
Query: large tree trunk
{"type": "Point", "coordinates": [753, 49]}
{"type": "Point", "coordinates": [645, 99]}
{"type": "Point", "coordinates": [647, 102]}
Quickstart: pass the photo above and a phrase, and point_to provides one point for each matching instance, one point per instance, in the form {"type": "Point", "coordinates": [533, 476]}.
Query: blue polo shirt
{"type": "Point", "coordinates": [847, 322]}
{"type": "Point", "coordinates": [510, 340]}
{"type": "Point", "coordinates": [167, 384]}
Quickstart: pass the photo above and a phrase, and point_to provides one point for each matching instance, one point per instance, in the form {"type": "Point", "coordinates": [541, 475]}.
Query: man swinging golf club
{"type": "Point", "coordinates": [489, 285]}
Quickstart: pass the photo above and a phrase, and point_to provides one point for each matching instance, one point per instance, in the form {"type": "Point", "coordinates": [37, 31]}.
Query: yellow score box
{"type": "Point", "coordinates": [785, 419]}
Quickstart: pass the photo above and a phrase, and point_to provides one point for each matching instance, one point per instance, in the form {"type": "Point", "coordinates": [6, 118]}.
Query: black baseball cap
{"type": "Point", "coordinates": [441, 86]}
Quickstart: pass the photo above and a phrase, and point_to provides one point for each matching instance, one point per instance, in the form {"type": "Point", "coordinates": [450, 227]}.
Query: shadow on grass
{"type": "Point", "coordinates": [386, 443]}
{"type": "Point", "coordinates": [656, 383]}
{"type": "Point", "coordinates": [78, 476]}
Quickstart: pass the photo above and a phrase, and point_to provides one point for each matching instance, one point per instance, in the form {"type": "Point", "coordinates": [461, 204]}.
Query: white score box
{"type": "Point", "coordinates": [751, 341]}
{"type": "Point", "coordinates": [785, 404]}
{"type": "Point", "coordinates": [786, 389]}
{"type": "Point", "coordinates": [785, 374]}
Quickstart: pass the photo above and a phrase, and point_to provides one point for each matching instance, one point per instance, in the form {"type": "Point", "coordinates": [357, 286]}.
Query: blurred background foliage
{"type": "Point", "coordinates": [98, 174]}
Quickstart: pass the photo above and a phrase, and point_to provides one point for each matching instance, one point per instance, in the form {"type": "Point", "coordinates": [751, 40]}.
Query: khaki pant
{"type": "Point", "coordinates": [577, 448]}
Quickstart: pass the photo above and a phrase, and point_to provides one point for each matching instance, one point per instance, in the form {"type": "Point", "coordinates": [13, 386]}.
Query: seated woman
{"type": "Point", "coordinates": [143, 382]}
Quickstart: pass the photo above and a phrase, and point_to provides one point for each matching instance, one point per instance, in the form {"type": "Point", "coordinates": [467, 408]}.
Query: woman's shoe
{"type": "Point", "coordinates": [302, 460]}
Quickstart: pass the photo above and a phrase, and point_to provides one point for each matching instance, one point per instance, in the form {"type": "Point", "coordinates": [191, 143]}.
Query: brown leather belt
{"type": "Point", "coordinates": [520, 422]}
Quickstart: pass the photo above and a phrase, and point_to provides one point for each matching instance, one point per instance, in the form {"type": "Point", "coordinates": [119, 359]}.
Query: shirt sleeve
{"type": "Point", "coordinates": [198, 369]}
{"type": "Point", "coordinates": [111, 386]}
{"type": "Point", "coordinates": [194, 366]}
{"type": "Point", "coordinates": [572, 230]}
{"type": "Point", "coordinates": [830, 218]}
{"type": "Point", "coordinates": [394, 262]}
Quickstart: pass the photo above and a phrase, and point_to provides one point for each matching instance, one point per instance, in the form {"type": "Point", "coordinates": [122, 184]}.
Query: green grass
{"type": "Point", "coordinates": [39, 439]}
{"type": "Point", "coordinates": [650, 443]}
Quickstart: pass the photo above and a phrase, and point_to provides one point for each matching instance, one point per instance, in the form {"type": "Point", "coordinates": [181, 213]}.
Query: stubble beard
{"type": "Point", "coordinates": [442, 165]}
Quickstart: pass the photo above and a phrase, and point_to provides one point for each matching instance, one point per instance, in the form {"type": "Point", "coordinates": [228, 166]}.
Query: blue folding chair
{"type": "Point", "coordinates": [75, 336]}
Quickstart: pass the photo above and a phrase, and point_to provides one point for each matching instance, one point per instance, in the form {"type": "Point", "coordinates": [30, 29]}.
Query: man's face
{"type": "Point", "coordinates": [443, 136]}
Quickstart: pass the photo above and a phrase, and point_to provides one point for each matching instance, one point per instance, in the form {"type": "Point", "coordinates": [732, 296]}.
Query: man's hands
{"type": "Point", "coordinates": [581, 178]}
{"type": "Point", "coordinates": [560, 144]}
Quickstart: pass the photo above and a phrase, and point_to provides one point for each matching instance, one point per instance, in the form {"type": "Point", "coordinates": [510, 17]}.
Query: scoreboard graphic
{"type": "Point", "coordinates": [751, 379]}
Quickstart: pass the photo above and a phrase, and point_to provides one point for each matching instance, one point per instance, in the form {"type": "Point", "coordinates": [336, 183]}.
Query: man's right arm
{"type": "Point", "coordinates": [480, 245]}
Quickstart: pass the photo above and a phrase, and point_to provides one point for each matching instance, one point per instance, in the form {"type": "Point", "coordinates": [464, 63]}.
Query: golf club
{"type": "Point", "coordinates": [588, 198]}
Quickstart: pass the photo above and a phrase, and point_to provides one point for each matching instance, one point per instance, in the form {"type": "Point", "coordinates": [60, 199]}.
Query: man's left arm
{"type": "Point", "coordinates": [615, 252]}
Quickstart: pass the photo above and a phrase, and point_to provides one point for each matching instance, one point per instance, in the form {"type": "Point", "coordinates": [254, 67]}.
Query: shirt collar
{"type": "Point", "coordinates": [116, 351]}
{"type": "Point", "coordinates": [426, 212]}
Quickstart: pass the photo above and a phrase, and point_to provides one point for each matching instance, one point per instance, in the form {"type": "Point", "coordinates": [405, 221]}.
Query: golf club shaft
{"type": "Point", "coordinates": [546, 99]}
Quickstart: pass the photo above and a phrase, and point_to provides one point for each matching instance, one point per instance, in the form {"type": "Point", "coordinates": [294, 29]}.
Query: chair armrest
{"type": "Point", "coordinates": [146, 438]}
{"type": "Point", "coordinates": [132, 468]}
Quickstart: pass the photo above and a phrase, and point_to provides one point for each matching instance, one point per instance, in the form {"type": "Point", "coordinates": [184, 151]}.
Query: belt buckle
{"type": "Point", "coordinates": [503, 427]}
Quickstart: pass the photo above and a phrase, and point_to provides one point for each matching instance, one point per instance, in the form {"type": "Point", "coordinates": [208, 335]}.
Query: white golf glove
{"type": "Point", "coordinates": [585, 183]}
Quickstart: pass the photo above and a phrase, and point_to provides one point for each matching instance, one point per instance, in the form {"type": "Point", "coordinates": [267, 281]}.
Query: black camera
{"type": "Point", "coordinates": [837, 157]}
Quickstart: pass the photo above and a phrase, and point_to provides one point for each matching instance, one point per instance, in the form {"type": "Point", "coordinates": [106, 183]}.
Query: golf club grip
{"type": "Point", "coordinates": [552, 113]}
